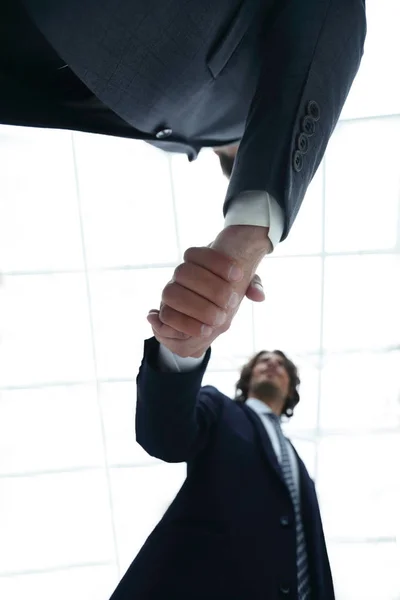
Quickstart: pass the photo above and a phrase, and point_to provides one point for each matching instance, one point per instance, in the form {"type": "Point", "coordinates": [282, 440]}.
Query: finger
{"type": "Point", "coordinates": [255, 291]}
{"type": "Point", "coordinates": [192, 305]}
{"type": "Point", "coordinates": [185, 324]}
{"type": "Point", "coordinates": [218, 263]}
{"type": "Point", "coordinates": [206, 284]}
{"type": "Point", "coordinates": [163, 330]}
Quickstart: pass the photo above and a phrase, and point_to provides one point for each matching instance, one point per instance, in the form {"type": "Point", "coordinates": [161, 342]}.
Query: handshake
{"type": "Point", "coordinates": [202, 298]}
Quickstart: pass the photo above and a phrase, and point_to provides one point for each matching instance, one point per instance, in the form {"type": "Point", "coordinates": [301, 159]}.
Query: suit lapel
{"type": "Point", "coordinates": [264, 441]}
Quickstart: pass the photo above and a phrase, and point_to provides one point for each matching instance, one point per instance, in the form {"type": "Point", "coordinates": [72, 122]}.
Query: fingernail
{"type": "Point", "coordinates": [235, 273]}
{"type": "Point", "coordinates": [233, 300]}
{"type": "Point", "coordinates": [206, 331]}
{"type": "Point", "coordinates": [220, 318]}
{"type": "Point", "coordinates": [259, 288]}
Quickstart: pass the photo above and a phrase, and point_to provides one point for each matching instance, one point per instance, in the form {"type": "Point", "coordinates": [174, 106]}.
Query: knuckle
{"type": "Point", "coordinates": [164, 312]}
{"type": "Point", "coordinates": [207, 313]}
{"type": "Point", "coordinates": [224, 328]}
{"type": "Point", "coordinates": [180, 272]}
{"type": "Point", "coordinates": [222, 294]}
{"type": "Point", "coordinates": [214, 315]}
{"type": "Point", "coordinates": [168, 292]}
{"type": "Point", "coordinates": [180, 335]}
{"type": "Point", "coordinates": [190, 253]}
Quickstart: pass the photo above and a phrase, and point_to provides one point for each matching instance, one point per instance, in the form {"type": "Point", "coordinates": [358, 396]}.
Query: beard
{"type": "Point", "coordinates": [265, 390]}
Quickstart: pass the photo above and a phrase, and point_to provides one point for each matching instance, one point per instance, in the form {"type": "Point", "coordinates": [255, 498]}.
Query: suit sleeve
{"type": "Point", "coordinates": [174, 418]}
{"type": "Point", "coordinates": [311, 52]}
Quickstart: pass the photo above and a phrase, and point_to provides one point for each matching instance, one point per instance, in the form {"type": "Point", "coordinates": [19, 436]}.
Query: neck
{"type": "Point", "coordinates": [274, 403]}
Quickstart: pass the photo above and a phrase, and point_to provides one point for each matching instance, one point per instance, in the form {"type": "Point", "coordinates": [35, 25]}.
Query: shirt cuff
{"type": "Point", "coordinates": [168, 361]}
{"type": "Point", "coordinates": [257, 208]}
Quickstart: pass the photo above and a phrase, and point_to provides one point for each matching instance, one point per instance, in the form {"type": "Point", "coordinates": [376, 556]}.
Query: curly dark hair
{"type": "Point", "coordinates": [242, 386]}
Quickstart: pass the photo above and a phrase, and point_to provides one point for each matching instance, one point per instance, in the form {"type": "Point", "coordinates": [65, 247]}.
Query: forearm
{"type": "Point", "coordinates": [169, 425]}
{"type": "Point", "coordinates": [311, 57]}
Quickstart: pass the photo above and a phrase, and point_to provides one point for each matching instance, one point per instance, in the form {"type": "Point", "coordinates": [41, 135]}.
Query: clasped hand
{"type": "Point", "coordinates": [200, 301]}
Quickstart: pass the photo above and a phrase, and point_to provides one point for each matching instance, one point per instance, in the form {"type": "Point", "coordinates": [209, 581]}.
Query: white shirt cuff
{"type": "Point", "coordinates": [257, 208]}
{"type": "Point", "coordinates": [168, 361]}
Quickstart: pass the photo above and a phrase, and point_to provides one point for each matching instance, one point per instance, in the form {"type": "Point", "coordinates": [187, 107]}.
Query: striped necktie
{"type": "Point", "coordinates": [303, 580]}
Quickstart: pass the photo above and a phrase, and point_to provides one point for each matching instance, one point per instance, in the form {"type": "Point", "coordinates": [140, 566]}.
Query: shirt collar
{"type": "Point", "coordinates": [258, 406]}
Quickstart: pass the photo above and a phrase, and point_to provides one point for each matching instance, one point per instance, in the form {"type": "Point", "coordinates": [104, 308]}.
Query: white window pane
{"type": "Point", "coordinates": [199, 191]}
{"type": "Point", "coordinates": [141, 496]}
{"type": "Point", "coordinates": [359, 485]}
{"type": "Point", "coordinates": [37, 426]}
{"type": "Point", "coordinates": [363, 186]}
{"type": "Point", "coordinates": [56, 520]}
{"type": "Point", "coordinates": [224, 381]}
{"type": "Point", "coordinates": [118, 401]}
{"type": "Point", "coordinates": [125, 192]}
{"type": "Point", "coordinates": [44, 326]}
{"type": "Point", "coordinates": [39, 215]}
{"type": "Point", "coordinates": [83, 583]}
{"type": "Point", "coordinates": [376, 90]}
{"type": "Point", "coordinates": [305, 236]}
{"type": "Point", "coordinates": [306, 450]}
{"type": "Point", "coordinates": [361, 391]}
{"type": "Point", "coordinates": [366, 571]}
{"type": "Point", "coordinates": [306, 412]}
{"type": "Point", "coordinates": [289, 319]}
{"type": "Point", "coordinates": [120, 303]}
{"type": "Point", "coordinates": [362, 299]}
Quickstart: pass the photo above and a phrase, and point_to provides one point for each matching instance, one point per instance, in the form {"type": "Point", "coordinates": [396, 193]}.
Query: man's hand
{"type": "Point", "coordinates": [166, 334]}
{"type": "Point", "coordinates": [198, 304]}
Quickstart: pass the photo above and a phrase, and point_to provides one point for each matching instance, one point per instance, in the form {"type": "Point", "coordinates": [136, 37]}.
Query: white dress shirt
{"type": "Point", "coordinates": [168, 361]}
{"type": "Point", "coordinates": [257, 208]}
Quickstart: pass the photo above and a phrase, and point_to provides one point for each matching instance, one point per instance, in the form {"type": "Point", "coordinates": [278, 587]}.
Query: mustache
{"type": "Point", "coordinates": [270, 372]}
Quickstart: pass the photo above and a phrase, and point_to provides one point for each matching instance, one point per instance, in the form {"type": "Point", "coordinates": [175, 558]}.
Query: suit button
{"type": "Point", "coordinates": [308, 125]}
{"type": "Point", "coordinates": [302, 143]}
{"type": "Point", "coordinates": [297, 161]}
{"type": "Point", "coordinates": [313, 110]}
{"type": "Point", "coordinates": [285, 521]}
{"type": "Point", "coordinates": [284, 590]}
{"type": "Point", "coordinates": [163, 133]}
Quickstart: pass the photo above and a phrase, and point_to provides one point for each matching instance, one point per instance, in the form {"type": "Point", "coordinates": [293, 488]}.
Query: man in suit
{"type": "Point", "coordinates": [262, 81]}
{"type": "Point", "coordinates": [246, 522]}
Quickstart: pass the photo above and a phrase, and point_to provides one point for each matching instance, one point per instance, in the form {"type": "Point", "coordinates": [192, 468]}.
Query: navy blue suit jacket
{"type": "Point", "coordinates": [229, 534]}
{"type": "Point", "coordinates": [271, 73]}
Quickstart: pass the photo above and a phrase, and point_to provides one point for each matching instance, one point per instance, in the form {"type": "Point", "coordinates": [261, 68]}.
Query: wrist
{"type": "Point", "coordinates": [244, 242]}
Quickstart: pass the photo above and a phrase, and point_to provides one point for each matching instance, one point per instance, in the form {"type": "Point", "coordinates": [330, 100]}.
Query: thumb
{"type": "Point", "coordinates": [255, 291]}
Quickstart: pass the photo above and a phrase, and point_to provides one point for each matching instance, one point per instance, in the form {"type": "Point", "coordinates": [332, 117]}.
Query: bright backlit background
{"type": "Point", "coordinates": [90, 231]}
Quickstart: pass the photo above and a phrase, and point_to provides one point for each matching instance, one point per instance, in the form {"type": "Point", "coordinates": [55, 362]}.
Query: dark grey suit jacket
{"type": "Point", "coordinates": [184, 74]}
